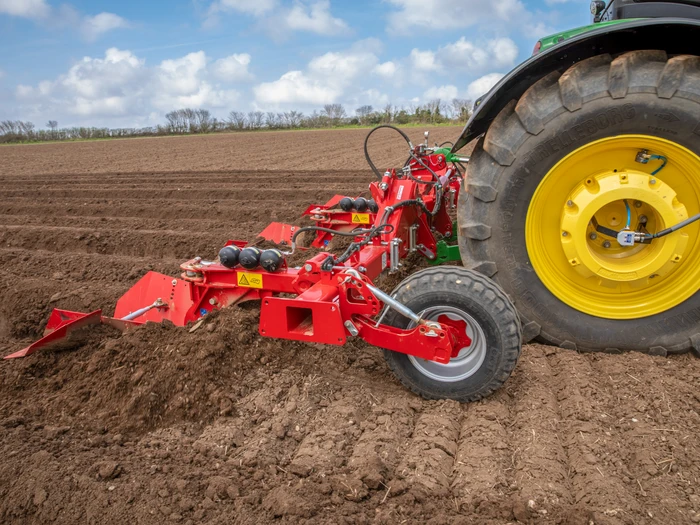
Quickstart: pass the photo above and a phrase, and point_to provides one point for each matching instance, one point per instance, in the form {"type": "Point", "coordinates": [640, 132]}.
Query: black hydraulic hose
{"type": "Point", "coordinates": [675, 227]}
{"type": "Point", "coordinates": [331, 261]}
{"type": "Point", "coordinates": [367, 157]}
{"type": "Point", "coordinates": [353, 233]}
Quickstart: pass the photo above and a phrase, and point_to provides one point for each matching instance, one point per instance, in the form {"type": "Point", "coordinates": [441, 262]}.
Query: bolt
{"type": "Point", "coordinates": [569, 203]}
{"type": "Point", "coordinates": [174, 282]}
{"type": "Point", "coordinates": [652, 181]}
{"type": "Point", "coordinates": [361, 269]}
{"type": "Point", "coordinates": [593, 236]}
{"type": "Point", "coordinates": [606, 244]}
{"type": "Point", "coordinates": [653, 275]}
{"type": "Point", "coordinates": [308, 267]}
{"type": "Point", "coordinates": [643, 219]}
{"type": "Point", "coordinates": [564, 234]}
{"type": "Point", "coordinates": [637, 204]}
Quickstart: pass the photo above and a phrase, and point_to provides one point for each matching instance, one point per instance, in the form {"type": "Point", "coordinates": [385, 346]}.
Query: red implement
{"type": "Point", "coordinates": [61, 323]}
{"type": "Point", "coordinates": [329, 297]}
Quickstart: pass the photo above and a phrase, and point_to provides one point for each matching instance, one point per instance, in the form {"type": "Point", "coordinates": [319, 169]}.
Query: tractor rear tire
{"type": "Point", "coordinates": [492, 324]}
{"type": "Point", "coordinates": [633, 100]}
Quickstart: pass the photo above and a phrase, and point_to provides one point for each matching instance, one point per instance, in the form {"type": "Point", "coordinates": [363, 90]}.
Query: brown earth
{"type": "Point", "coordinates": [223, 426]}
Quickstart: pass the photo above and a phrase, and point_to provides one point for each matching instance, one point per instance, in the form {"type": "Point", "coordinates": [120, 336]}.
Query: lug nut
{"type": "Point", "coordinates": [637, 204]}
{"type": "Point", "coordinates": [593, 236]}
{"type": "Point", "coordinates": [564, 234]}
{"type": "Point", "coordinates": [606, 244]}
{"type": "Point", "coordinates": [652, 181]}
{"type": "Point", "coordinates": [569, 203]}
{"type": "Point", "coordinates": [643, 219]}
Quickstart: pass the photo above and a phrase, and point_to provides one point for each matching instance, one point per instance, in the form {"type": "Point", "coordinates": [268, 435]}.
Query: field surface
{"type": "Point", "coordinates": [220, 425]}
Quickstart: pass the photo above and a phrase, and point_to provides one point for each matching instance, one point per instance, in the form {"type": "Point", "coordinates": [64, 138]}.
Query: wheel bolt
{"type": "Point", "coordinates": [637, 204]}
{"type": "Point", "coordinates": [569, 203]}
{"type": "Point", "coordinates": [606, 244]}
{"type": "Point", "coordinates": [564, 234]}
{"type": "Point", "coordinates": [643, 219]}
{"type": "Point", "coordinates": [593, 236]}
{"type": "Point", "coordinates": [652, 181]}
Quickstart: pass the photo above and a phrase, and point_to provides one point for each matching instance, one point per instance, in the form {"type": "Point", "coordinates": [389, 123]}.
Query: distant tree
{"type": "Point", "coordinates": [334, 112]}
{"type": "Point", "coordinates": [388, 113]}
{"type": "Point", "coordinates": [237, 119]}
{"type": "Point", "coordinates": [53, 126]}
{"type": "Point", "coordinates": [461, 109]}
{"type": "Point", "coordinates": [293, 118]}
{"type": "Point", "coordinates": [363, 113]}
{"type": "Point", "coordinates": [256, 119]}
{"type": "Point", "coordinates": [272, 120]}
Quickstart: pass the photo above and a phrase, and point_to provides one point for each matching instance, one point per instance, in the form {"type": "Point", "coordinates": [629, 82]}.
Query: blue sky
{"type": "Point", "coordinates": [124, 64]}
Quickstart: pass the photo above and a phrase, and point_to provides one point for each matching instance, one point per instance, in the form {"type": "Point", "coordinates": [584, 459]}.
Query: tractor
{"type": "Point", "coordinates": [576, 224]}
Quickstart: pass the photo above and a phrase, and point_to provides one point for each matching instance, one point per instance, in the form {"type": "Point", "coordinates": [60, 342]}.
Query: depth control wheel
{"type": "Point", "coordinates": [473, 304]}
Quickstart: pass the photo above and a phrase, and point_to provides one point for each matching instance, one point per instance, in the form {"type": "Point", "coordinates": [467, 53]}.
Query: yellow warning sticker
{"type": "Point", "coordinates": [360, 218]}
{"type": "Point", "coordinates": [250, 280]}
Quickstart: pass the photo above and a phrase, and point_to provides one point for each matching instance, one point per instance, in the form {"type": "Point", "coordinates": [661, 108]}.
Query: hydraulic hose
{"type": "Point", "coordinates": [367, 157]}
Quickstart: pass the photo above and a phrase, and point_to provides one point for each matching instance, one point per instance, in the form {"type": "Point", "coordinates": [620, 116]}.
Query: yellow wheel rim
{"type": "Point", "coordinates": [580, 204]}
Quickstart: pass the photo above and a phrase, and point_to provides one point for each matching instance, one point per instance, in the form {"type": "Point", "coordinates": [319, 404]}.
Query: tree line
{"type": "Point", "coordinates": [193, 121]}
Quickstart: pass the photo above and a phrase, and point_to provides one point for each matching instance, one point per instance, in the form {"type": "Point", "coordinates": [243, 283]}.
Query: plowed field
{"type": "Point", "coordinates": [222, 426]}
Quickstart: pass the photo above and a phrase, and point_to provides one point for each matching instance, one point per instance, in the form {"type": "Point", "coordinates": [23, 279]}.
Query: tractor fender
{"type": "Point", "coordinates": [673, 35]}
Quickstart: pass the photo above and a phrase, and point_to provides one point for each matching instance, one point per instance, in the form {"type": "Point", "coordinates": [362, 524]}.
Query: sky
{"type": "Point", "coordinates": [127, 63]}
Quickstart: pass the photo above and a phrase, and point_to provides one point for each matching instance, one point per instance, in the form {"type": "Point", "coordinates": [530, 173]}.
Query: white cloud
{"type": "Point", "coordinates": [386, 70]}
{"type": "Point", "coordinates": [95, 26]}
{"type": "Point", "coordinates": [467, 56]}
{"type": "Point", "coordinates": [255, 7]}
{"type": "Point", "coordinates": [443, 92]}
{"type": "Point", "coordinates": [25, 8]}
{"type": "Point", "coordinates": [424, 60]}
{"type": "Point", "coordinates": [65, 15]}
{"type": "Point", "coordinates": [121, 88]}
{"type": "Point", "coordinates": [463, 54]}
{"type": "Point", "coordinates": [456, 14]}
{"type": "Point", "coordinates": [312, 16]}
{"type": "Point", "coordinates": [324, 81]}
{"type": "Point", "coordinates": [482, 85]}
{"type": "Point", "coordinates": [233, 68]}
{"type": "Point", "coordinates": [294, 87]}
{"type": "Point", "coordinates": [315, 18]}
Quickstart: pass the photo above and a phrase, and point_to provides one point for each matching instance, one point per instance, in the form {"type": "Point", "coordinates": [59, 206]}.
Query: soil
{"type": "Point", "coordinates": [219, 425]}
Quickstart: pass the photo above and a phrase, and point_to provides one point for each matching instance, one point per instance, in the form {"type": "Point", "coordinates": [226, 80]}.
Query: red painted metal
{"type": "Point", "coordinates": [329, 216]}
{"type": "Point", "coordinates": [308, 303]}
{"type": "Point", "coordinates": [278, 232]}
{"type": "Point", "coordinates": [61, 324]}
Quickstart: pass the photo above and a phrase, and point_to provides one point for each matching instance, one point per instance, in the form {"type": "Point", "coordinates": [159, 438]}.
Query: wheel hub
{"type": "Point", "coordinates": [468, 359]}
{"type": "Point", "coordinates": [598, 203]}
{"type": "Point", "coordinates": [578, 209]}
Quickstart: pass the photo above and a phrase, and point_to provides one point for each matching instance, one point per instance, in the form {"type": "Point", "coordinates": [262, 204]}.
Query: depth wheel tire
{"type": "Point", "coordinates": [527, 182]}
{"type": "Point", "coordinates": [492, 324]}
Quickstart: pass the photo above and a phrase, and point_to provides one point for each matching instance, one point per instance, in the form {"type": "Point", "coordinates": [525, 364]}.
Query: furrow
{"type": "Point", "coordinates": [428, 460]}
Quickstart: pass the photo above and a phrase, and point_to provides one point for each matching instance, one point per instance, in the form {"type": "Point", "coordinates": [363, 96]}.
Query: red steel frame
{"type": "Point", "coordinates": [316, 305]}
